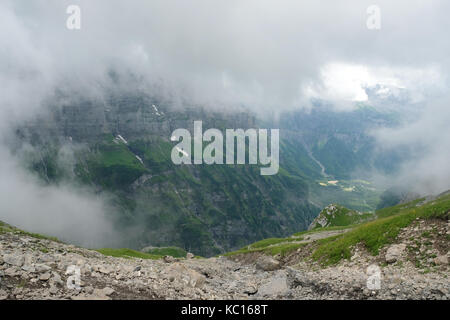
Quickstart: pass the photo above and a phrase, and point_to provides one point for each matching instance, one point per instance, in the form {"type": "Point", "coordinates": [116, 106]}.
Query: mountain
{"type": "Point", "coordinates": [120, 147]}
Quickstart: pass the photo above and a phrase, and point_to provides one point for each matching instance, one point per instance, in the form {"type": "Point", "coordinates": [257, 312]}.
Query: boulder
{"type": "Point", "coordinates": [169, 259]}
{"type": "Point", "coordinates": [394, 252]}
{"type": "Point", "coordinates": [180, 272]}
{"type": "Point", "coordinates": [45, 276]}
{"type": "Point", "coordinates": [441, 260]}
{"type": "Point", "coordinates": [107, 291]}
{"type": "Point", "coordinates": [42, 268]}
{"type": "Point", "coordinates": [14, 259]}
{"type": "Point", "coordinates": [267, 263]}
{"type": "Point", "coordinates": [189, 255]}
{"type": "Point", "coordinates": [276, 286]}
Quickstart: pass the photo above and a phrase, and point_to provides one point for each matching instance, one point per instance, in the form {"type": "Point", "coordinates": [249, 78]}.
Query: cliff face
{"type": "Point", "coordinates": [134, 116]}
{"type": "Point", "coordinates": [122, 147]}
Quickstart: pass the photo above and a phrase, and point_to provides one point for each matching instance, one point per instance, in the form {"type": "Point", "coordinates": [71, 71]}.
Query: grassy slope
{"type": "Point", "coordinates": [128, 254]}
{"type": "Point", "coordinates": [181, 205]}
{"type": "Point", "coordinates": [374, 234]}
{"type": "Point", "coordinates": [344, 217]}
{"type": "Point", "coordinates": [112, 165]}
{"type": "Point", "coordinates": [168, 251]}
{"type": "Point", "coordinates": [378, 233]}
{"type": "Point", "coordinates": [156, 253]}
{"type": "Point", "coordinates": [4, 228]}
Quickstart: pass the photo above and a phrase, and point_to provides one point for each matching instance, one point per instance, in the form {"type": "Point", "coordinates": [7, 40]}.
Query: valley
{"type": "Point", "coordinates": [122, 150]}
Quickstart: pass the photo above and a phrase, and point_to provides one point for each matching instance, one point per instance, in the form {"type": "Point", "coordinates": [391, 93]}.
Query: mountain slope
{"type": "Point", "coordinates": [123, 149]}
{"type": "Point", "coordinates": [335, 215]}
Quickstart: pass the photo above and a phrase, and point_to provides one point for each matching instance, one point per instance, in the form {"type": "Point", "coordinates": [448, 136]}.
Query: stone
{"type": "Point", "coordinates": [267, 263]}
{"type": "Point", "coordinates": [394, 252]}
{"type": "Point", "coordinates": [104, 270]}
{"type": "Point", "coordinates": [89, 289]}
{"type": "Point", "coordinates": [53, 290]}
{"type": "Point", "coordinates": [107, 291]}
{"type": "Point", "coordinates": [276, 286]}
{"type": "Point", "coordinates": [180, 272]}
{"type": "Point", "coordinates": [189, 256]}
{"type": "Point", "coordinates": [45, 276]}
{"type": "Point", "coordinates": [29, 268]}
{"type": "Point", "coordinates": [56, 280]}
{"type": "Point", "coordinates": [40, 268]}
{"type": "Point", "coordinates": [11, 272]}
{"type": "Point", "coordinates": [14, 259]}
{"type": "Point", "coordinates": [169, 259]}
{"type": "Point", "coordinates": [441, 260]}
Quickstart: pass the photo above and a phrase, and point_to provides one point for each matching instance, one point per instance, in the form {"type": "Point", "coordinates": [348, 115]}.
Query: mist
{"type": "Point", "coordinates": [63, 211]}
{"type": "Point", "coordinates": [427, 141]}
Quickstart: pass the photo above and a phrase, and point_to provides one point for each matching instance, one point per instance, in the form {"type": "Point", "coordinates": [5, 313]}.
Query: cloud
{"type": "Point", "coordinates": [427, 140]}
{"type": "Point", "coordinates": [69, 213]}
{"type": "Point", "coordinates": [254, 53]}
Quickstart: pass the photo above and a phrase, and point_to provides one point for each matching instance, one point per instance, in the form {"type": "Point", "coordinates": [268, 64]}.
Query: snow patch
{"type": "Point", "coordinates": [156, 110]}
{"type": "Point", "coordinates": [139, 158]}
{"type": "Point", "coordinates": [122, 139]}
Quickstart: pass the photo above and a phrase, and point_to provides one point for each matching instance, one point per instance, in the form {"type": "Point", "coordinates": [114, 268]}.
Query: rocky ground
{"type": "Point", "coordinates": [33, 268]}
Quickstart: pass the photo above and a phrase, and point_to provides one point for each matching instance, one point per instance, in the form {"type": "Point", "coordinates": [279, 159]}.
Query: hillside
{"type": "Point", "coordinates": [123, 151]}
{"type": "Point", "coordinates": [409, 243]}
{"type": "Point", "coordinates": [120, 148]}
{"type": "Point", "coordinates": [335, 215]}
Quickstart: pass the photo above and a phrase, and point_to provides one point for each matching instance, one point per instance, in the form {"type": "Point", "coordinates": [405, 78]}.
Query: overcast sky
{"type": "Point", "coordinates": [265, 55]}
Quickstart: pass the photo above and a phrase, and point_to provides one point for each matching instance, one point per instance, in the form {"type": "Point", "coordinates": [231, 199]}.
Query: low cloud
{"type": "Point", "coordinates": [64, 211]}
{"type": "Point", "coordinates": [427, 141]}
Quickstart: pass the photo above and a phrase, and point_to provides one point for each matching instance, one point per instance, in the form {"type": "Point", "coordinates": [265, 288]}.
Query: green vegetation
{"type": "Point", "coordinates": [353, 194]}
{"type": "Point", "coordinates": [376, 234]}
{"type": "Point", "coordinates": [338, 216]}
{"type": "Point", "coordinates": [127, 254]}
{"type": "Point", "coordinates": [271, 241]}
{"type": "Point", "coordinates": [271, 246]}
{"type": "Point", "coordinates": [167, 251]}
{"type": "Point", "coordinates": [112, 165]}
{"type": "Point", "coordinates": [373, 235]}
{"type": "Point", "coordinates": [4, 228]}
{"type": "Point", "coordinates": [212, 209]}
{"type": "Point", "coordinates": [335, 228]}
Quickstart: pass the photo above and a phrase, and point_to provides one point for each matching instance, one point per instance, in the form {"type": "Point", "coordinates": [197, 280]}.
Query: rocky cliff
{"type": "Point", "coordinates": [121, 147]}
